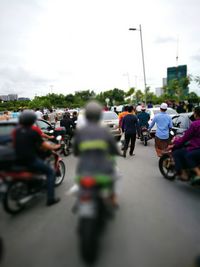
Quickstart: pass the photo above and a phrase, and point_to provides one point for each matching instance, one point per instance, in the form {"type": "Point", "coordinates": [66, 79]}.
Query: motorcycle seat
{"type": "Point", "coordinates": [23, 168]}
{"type": "Point", "coordinates": [19, 168]}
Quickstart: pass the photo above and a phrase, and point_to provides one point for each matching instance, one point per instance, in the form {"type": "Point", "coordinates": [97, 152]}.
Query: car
{"type": "Point", "coordinates": [109, 119]}
{"type": "Point", "coordinates": [7, 126]}
{"type": "Point", "coordinates": [153, 111]}
{"type": "Point", "coordinates": [181, 122]}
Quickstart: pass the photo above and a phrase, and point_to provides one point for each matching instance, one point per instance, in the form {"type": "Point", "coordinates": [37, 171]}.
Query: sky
{"type": "Point", "coordinates": [63, 46]}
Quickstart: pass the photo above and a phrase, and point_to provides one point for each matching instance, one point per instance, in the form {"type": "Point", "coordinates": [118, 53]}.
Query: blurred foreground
{"type": "Point", "coordinates": [157, 223]}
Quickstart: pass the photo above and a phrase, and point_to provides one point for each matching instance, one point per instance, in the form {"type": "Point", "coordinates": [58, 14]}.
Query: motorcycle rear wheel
{"type": "Point", "coordinates": [66, 151]}
{"type": "Point", "coordinates": [166, 169]}
{"type": "Point", "coordinates": [88, 232]}
{"type": "Point", "coordinates": [145, 141]}
{"type": "Point", "coordinates": [17, 190]}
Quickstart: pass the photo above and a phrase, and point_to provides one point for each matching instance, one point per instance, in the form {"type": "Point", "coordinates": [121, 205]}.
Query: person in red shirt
{"type": "Point", "coordinates": [27, 140]}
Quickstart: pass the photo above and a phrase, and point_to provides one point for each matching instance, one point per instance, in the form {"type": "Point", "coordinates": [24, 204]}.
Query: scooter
{"type": "Point", "coordinates": [94, 207]}
{"type": "Point", "coordinates": [144, 135]}
{"type": "Point", "coordinates": [19, 186]}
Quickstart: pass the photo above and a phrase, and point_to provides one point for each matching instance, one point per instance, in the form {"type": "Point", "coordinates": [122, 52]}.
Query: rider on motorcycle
{"type": "Point", "coordinates": [27, 140]}
{"type": "Point", "coordinates": [189, 156]}
{"type": "Point", "coordinates": [95, 146]}
{"type": "Point", "coordinates": [143, 118]}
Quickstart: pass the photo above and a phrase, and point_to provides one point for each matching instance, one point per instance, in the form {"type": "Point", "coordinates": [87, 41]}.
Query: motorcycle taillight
{"type": "Point", "coordinates": [85, 197]}
{"type": "Point", "coordinates": [88, 182]}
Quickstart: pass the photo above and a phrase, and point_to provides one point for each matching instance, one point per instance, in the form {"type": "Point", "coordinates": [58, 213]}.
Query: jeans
{"type": "Point", "coordinates": [179, 156]}
{"type": "Point", "coordinates": [40, 166]}
{"type": "Point", "coordinates": [128, 138]}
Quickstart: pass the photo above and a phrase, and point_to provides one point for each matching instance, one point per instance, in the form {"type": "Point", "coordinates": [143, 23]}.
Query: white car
{"type": "Point", "coordinates": [153, 111]}
{"type": "Point", "coordinates": [109, 119]}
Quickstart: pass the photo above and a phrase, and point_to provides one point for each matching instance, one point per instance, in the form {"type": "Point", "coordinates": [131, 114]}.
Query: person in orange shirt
{"type": "Point", "coordinates": [122, 115]}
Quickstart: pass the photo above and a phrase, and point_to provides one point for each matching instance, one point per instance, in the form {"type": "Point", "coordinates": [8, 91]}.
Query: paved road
{"type": "Point", "coordinates": [157, 224]}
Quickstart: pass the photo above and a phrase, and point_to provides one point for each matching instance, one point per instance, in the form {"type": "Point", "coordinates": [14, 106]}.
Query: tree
{"type": "Point", "coordinates": [130, 92]}
{"type": "Point", "coordinates": [139, 96]}
{"type": "Point", "coordinates": [193, 97]}
{"type": "Point", "coordinates": [177, 88]}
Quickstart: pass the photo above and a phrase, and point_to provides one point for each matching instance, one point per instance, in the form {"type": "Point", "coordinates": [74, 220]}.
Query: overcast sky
{"type": "Point", "coordinates": [69, 45]}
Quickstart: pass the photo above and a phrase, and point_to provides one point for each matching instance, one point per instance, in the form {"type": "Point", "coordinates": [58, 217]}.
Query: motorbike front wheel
{"type": "Point", "coordinates": [167, 167]}
{"type": "Point", "coordinates": [60, 175]}
{"type": "Point", "coordinates": [12, 200]}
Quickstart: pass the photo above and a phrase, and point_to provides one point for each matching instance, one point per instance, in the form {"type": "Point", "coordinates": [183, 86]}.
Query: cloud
{"type": "Point", "coordinates": [196, 57]}
{"type": "Point", "coordinates": [167, 39]}
{"type": "Point", "coordinates": [18, 79]}
{"type": "Point", "coordinates": [20, 75]}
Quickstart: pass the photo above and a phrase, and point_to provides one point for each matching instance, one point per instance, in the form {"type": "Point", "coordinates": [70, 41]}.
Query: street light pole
{"type": "Point", "coordinates": [142, 50]}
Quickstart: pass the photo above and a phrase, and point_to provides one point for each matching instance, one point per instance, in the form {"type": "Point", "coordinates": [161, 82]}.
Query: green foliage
{"type": "Point", "coordinates": [139, 96]}
{"type": "Point", "coordinates": [177, 88]}
{"type": "Point", "coordinates": [130, 92]}
{"type": "Point", "coordinates": [115, 96]}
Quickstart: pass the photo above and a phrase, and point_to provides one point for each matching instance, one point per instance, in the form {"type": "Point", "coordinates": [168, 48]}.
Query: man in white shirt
{"type": "Point", "coordinates": [52, 118]}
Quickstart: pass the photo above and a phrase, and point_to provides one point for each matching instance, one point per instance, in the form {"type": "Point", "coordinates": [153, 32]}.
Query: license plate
{"type": "Point", "coordinates": [87, 210]}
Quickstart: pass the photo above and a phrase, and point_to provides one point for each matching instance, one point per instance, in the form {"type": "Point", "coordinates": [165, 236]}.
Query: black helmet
{"type": "Point", "coordinates": [27, 118]}
{"type": "Point", "coordinates": [93, 111]}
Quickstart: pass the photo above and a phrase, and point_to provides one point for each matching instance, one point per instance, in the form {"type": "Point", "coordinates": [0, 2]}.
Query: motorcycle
{"type": "Point", "coordinates": [65, 144]}
{"type": "Point", "coordinates": [167, 165]}
{"type": "Point", "coordinates": [144, 135]}
{"type": "Point", "coordinates": [94, 208]}
{"type": "Point", "coordinates": [19, 186]}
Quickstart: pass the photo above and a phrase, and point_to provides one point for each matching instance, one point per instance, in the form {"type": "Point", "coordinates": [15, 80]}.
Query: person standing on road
{"type": "Point", "coordinates": [52, 118]}
{"type": "Point", "coordinates": [129, 127]}
{"type": "Point", "coordinates": [164, 124]}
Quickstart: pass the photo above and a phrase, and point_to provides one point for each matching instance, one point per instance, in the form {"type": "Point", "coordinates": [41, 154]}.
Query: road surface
{"type": "Point", "coordinates": [157, 224]}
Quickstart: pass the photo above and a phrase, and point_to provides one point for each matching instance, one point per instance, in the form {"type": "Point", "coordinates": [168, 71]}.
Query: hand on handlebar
{"type": "Point", "coordinates": [56, 147]}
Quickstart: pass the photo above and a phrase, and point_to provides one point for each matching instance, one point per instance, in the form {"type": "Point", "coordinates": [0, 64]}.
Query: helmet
{"type": "Point", "coordinates": [27, 118]}
{"type": "Point", "coordinates": [93, 111]}
{"type": "Point", "coordinates": [164, 106]}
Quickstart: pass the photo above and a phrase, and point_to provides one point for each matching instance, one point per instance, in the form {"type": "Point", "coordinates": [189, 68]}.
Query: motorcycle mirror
{"type": "Point", "coordinates": [58, 138]}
